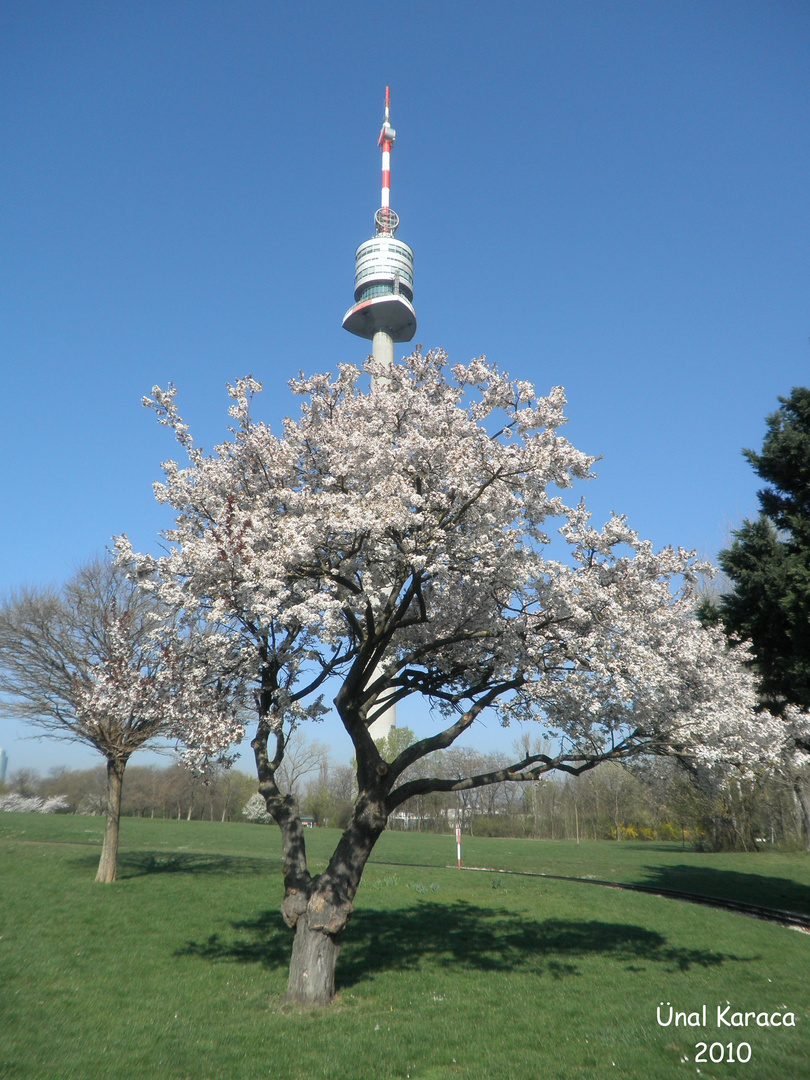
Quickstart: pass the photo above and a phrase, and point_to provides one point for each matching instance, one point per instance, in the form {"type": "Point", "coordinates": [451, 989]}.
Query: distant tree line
{"type": "Point", "coordinates": [151, 791]}
{"type": "Point", "coordinates": [652, 800]}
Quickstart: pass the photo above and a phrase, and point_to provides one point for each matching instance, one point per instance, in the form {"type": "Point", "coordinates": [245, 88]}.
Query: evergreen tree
{"type": "Point", "coordinates": [769, 561]}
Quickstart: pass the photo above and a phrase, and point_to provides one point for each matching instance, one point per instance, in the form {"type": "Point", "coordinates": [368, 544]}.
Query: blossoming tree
{"type": "Point", "coordinates": [104, 663]}
{"type": "Point", "coordinates": [397, 541]}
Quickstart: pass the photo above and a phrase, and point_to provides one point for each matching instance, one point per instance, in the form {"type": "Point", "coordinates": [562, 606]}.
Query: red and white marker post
{"type": "Point", "coordinates": [458, 845]}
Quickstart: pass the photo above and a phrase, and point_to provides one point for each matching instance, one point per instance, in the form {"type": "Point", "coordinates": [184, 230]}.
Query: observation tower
{"type": "Point", "coordinates": [383, 305]}
{"type": "Point", "coordinates": [383, 277]}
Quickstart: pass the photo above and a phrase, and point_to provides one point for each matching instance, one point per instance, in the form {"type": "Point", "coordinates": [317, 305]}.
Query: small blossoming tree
{"type": "Point", "coordinates": [103, 662]}
{"type": "Point", "coordinates": [398, 542]}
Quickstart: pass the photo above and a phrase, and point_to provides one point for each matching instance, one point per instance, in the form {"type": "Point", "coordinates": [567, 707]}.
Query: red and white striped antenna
{"type": "Point", "coordinates": [385, 218]}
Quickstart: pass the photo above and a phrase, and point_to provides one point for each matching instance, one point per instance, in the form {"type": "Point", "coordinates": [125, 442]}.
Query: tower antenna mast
{"type": "Point", "coordinates": [385, 142]}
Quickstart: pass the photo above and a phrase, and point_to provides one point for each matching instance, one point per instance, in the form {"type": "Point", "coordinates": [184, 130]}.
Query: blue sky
{"type": "Point", "coordinates": [608, 196]}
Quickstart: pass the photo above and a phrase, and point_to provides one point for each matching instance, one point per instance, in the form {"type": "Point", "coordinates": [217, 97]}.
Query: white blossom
{"type": "Point", "coordinates": [255, 809]}
{"type": "Point", "coordinates": [32, 804]}
{"type": "Point", "coordinates": [397, 538]}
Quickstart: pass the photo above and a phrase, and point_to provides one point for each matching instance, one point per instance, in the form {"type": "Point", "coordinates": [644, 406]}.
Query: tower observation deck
{"type": "Point", "coordinates": [383, 279]}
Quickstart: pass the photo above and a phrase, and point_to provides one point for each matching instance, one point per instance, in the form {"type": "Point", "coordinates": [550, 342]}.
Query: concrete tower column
{"type": "Point", "coordinates": [382, 348]}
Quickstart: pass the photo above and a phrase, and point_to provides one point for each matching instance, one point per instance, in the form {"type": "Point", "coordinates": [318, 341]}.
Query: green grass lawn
{"type": "Point", "coordinates": [179, 969]}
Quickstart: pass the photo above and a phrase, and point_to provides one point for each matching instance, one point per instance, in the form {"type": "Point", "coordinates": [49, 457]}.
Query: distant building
{"type": "Point", "coordinates": [3, 765]}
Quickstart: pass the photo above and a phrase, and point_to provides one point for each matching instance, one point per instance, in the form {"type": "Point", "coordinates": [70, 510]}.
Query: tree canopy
{"type": "Point", "coordinates": [397, 543]}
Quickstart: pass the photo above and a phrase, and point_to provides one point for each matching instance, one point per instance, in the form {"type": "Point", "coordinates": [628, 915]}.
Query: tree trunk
{"type": "Point", "coordinates": [319, 908]}
{"type": "Point", "coordinates": [312, 966]}
{"type": "Point", "coordinates": [108, 863]}
{"type": "Point", "coordinates": [803, 797]}
{"type": "Point", "coordinates": [319, 914]}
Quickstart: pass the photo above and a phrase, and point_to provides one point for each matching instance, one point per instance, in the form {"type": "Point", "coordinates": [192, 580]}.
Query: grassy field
{"type": "Point", "coordinates": [178, 970]}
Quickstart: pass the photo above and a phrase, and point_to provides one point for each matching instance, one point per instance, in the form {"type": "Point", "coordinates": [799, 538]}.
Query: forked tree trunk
{"type": "Point", "coordinates": [108, 863]}
{"type": "Point", "coordinates": [319, 908]}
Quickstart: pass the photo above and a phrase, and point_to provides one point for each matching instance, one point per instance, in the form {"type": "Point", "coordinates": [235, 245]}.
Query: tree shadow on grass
{"type": "Point", "coordinates": [133, 864]}
{"type": "Point", "coordinates": [772, 892]}
{"type": "Point", "coordinates": [463, 936]}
